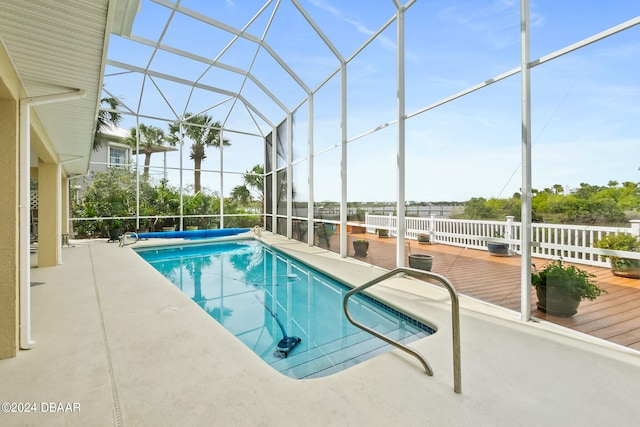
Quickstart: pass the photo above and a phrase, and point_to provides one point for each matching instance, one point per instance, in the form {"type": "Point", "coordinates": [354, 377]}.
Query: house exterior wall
{"type": "Point", "coordinates": [99, 159]}
{"type": "Point", "coordinates": [49, 233]}
{"type": "Point", "coordinates": [9, 258]}
{"type": "Point", "coordinates": [12, 255]}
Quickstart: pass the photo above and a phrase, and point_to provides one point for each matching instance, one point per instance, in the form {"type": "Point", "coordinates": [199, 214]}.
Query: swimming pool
{"type": "Point", "coordinates": [270, 301]}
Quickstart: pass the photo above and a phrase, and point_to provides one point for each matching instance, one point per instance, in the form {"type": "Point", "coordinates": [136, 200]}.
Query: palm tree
{"type": "Point", "coordinates": [105, 119]}
{"type": "Point", "coordinates": [203, 132]}
{"type": "Point", "coordinates": [253, 188]}
{"type": "Point", "coordinates": [241, 194]}
{"type": "Point", "coordinates": [151, 137]}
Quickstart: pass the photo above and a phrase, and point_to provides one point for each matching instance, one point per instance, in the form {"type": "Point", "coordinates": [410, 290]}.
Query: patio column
{"type": "Point", "coordinates": [49, 234]}
{"type": "Point", "coordinates": [9, 218]}
{"type": "Point", "coordinates": [66, 203]}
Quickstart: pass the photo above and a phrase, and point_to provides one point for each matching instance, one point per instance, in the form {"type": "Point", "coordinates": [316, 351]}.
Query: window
{"type": "Point", "coordinates": [117, 157]}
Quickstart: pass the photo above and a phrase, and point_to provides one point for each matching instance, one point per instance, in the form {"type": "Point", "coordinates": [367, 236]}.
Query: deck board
{"type": "Point", "coordinates": [614, 316]}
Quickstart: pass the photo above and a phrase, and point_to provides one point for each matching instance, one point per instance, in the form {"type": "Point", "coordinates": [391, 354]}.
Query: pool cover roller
{"type": "Point", "coordinates": [221, 232]}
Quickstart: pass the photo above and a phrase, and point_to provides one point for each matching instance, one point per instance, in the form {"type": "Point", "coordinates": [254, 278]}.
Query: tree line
{"type": "Point", "coordinates": [589, 204]}
{"type": "Point", "coordinates": [112, 196]}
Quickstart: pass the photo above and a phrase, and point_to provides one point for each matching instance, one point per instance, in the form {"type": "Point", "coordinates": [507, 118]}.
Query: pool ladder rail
{"type": "Point", "coordinates": [455, 319]}
{"type": "Point", "coordinates": [123, 240]}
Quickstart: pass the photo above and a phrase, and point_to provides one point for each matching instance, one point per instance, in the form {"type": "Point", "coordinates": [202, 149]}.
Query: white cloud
{"type": "Point", "coordinates": [358, 25]}
{"type": "Point", "coordinates": [496, 23]}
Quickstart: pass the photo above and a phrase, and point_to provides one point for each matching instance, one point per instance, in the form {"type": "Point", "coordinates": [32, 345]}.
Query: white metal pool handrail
{"type": "Point", "coordinates": [123, 239]}
{"type": "Point", "coordinates": [455, 320]}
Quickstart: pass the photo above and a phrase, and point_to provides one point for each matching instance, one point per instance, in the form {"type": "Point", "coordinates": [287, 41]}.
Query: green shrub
{"type": "Point", "coordinates": [619, 242]}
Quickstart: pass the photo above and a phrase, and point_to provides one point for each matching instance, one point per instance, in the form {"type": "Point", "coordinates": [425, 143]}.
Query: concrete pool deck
{"type": "Point", "coordinates": [116, 338]}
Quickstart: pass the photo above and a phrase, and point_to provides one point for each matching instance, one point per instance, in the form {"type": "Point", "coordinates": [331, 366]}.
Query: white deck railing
{"type": "Point", "coordinates": [573, 243]}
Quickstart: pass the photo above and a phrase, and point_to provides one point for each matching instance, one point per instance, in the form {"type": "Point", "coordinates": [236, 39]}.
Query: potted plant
{"type": "Point", "coordinates": [560, 288]}
{"type": "Point", "coordinates": [498, 248]}
{"type": "Point", "coordinates": [421, 261]}
{"type": "Point", "coordinates": [191, 224]}
{"type": "Point", "coordinates": [424, 239]}
{"type": "Point", "coordinates": [144, 226]}
{"type": "Point", "coordinates": [168, 224]}
{"type": "Point", "coordinates": [361, 246]}
{"type": "Point", "coordinates": [382, 232]}
{"type": "Point", "coordinates": [625, 267]}
{"type": "Point", "coordinates": [115, 230]}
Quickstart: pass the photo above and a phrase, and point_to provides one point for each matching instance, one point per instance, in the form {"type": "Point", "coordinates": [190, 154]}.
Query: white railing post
{"type": "Point", "coordinates": [509, 227]}
{"type": "Point", "coordinates": [431, 227]}
{"type": "Point", "coordinates": [635, 227]}
{"type": "Point", "coordinates": [508, 232]}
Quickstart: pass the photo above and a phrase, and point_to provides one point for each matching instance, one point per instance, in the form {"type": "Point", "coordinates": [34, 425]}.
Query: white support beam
{"type": "Point", "coordinates": [212, 63]}
{"type": "Point", "coordinates": [310, 173]}
{"type": "Point", "coordinates": [274, 179]}
{"type": "Point", "coordinates": [400, 207]}
{"type": "Point", "coordinates": [289, 175]}
{"type": "Point", "coordinates": [578, 45]}
{"type": "Point", "coordinates": [589, 40]}
{"type": "Point", "coordinates": [208, 20]}
{"type": "Point", "coordinates": [186, 82]}
{"type": "Point", "coordinates": [221, 136]}
{"type": "Point", "coordinates": [343, 161]}
{"type": "Point", "coordinates": [525, 238]}
{"type": "Point", "coordinates": [318, 31]}
{"type": "Point", "coordinates": [138, 174]}
{"type": "Point", "coordinates": [181, 171]}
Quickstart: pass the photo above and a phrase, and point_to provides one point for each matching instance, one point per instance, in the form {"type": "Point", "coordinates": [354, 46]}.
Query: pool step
{"type": "Point", "coordinates": [340, 354]}
{"type": "Point", "coordinates": [353, 336]}
{"type": "Point", "coordinates": [346, 357]}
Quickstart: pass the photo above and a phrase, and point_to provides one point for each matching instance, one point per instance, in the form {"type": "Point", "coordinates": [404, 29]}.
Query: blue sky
{"type": "Point", "coordinates": [585, 104]}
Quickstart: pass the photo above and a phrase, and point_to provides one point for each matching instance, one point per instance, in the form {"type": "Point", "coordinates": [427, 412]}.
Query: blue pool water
{"type": "Point", "coordinates": [260, 294]}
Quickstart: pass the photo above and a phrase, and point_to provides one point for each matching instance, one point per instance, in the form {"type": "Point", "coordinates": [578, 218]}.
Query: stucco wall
{"type": "Point", "coordinates": [9, 224]}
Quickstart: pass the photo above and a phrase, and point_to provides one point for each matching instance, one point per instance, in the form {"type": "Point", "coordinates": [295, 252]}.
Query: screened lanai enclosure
{"type": "Point", "coordinates": [323, 106]}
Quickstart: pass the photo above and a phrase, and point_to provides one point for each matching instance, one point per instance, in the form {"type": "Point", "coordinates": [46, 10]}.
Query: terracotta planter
{"type": "Point", "coordinates": [421, 261]}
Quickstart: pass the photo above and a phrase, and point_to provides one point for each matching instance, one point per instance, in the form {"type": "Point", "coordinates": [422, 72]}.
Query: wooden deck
{"type": "Point", "coordinates": [614, 316]}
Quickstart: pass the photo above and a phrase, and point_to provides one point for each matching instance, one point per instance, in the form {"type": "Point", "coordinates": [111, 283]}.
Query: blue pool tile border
{"type": "Point", "coordinates": [399, 314]}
